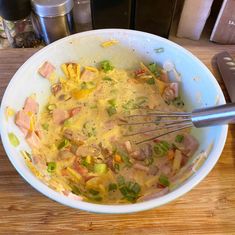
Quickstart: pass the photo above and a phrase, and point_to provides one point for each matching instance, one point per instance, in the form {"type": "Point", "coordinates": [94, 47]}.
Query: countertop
{"type": "Point", "coordinates": [207, 209]}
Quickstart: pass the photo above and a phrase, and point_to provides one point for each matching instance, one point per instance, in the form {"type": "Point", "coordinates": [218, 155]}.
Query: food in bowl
{"type": "Point", "coordinates": [82, 145]}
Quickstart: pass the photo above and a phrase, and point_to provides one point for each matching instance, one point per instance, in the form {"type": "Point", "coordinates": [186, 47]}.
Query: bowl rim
{"type": "Point", "coordinates": [127, 208]}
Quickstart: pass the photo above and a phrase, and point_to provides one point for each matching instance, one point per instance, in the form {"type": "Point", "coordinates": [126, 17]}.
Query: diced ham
{"type": "Point", "coordinates": [109, 162]}
{"type": "Point", "coordinates": [171, 91]}
{"type": "Point", "coordinates": [65, 155]}
{"type": "Point", "coordinates": [37, 160]}
{"type": "Point", "coordinates": [166, 169]}
{"type": "Point", "coordinates": [74, 111]}
{"type": "Point", "coordinates": [75, 137]}
{"type": "Point", "coordinates": [138, 155]}
{"type": "Point", "coordinates": [190, 145]}
{"type": "Point", "coordinates": [109, 125]}
{"type": "Point", "coordinates": [22, 120]}
{"type": "Point", "coordinates": [84, 150]}
{"type": "Point", "coordinates": [142, 153]}
{"type": "Point", "coordinates": [80, 169]}
{"type": "Point", "coordinates": [31, 105]}
{"type": "Point", "coordinates": [175, 87]}
{"type": "Point", "coordinates": [59, 116]}
{"type": "Point", "coordinates": [147, 150]}
{"type": "Point", "coordinates": [87, 75]}
{"type": "Point", "coordinates": [32, 139]}
{"type": "Point", "coordinates": [64, 172]}
{"type": "Point", "coordinates": [164, 76]}
{"type": "Point", "coordinates": [128, 146]}
{"type": "Point", "coordinates": [46, 69]}
{"type": "Point", "coordinates": [139, 166]}
{"type": "Point", "coordinates": [38, 130]}
{"type": "Point", "coordinates": [140, 72]}
{"type": "Point", "coordinates": [24, 131]}
{"type": "Point", "coordinates": [153, 170]}
{"type": "Point", "coordinates": [56, 88]}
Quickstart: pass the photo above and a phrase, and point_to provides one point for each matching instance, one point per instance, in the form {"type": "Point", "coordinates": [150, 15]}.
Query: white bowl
{"type": "Point", "coordinates": [199, 89]}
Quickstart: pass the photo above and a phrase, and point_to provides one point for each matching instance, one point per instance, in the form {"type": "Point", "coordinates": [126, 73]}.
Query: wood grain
{"type": "Point", "coordinates": [207, 209]}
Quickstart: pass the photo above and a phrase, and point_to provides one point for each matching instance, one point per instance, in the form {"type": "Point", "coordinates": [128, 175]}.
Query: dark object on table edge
{"type": "Point", "coordinates": [226, 66]}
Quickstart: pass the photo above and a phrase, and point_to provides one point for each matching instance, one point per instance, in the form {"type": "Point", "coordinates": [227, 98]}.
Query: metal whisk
{"type": "Point", "coordinates": [176, 121]}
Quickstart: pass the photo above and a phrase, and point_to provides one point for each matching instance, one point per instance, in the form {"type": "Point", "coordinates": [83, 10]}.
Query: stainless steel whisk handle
{"type": "Point", "coordinates": [216, 115]}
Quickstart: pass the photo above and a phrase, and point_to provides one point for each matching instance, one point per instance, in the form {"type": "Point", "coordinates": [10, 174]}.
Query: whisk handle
{"type": "Point", "coordinates": [216, 115]}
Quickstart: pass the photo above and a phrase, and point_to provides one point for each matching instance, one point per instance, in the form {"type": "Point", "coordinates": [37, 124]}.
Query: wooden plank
{"type": "Point", "coordinates": [207, 209]}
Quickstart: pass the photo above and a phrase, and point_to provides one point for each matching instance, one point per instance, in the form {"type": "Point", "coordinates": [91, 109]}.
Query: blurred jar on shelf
{"type": "Point", "coordinates": [82, 15]}
{"type": "Point", "coordinates": [17, 23]}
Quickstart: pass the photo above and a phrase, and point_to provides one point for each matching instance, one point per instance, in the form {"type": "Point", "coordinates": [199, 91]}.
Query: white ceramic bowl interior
{"type": "Point", "coordinates": [199, 89]}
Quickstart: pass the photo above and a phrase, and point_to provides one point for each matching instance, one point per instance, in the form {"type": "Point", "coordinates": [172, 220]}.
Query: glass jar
{"type": "Point", "coordinates": [17, 23]}
{"type": "Point", "coordinates": [20, 33]}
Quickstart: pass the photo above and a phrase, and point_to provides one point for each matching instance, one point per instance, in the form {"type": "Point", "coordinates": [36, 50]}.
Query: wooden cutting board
{"type": "Point", "coordinates": [207, 209]}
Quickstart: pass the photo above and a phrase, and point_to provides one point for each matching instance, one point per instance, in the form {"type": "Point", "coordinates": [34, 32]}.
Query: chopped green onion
{"type": "Point", "coordinates": [51, 107]}
{"type": "Point", "coordinates": [26, 155]}
{"type": "Point", "coordinates": [64, 143]}
{"type": "Point", "coordinates": [67, 122]}
{"type": "Point", "coordinates": [161, 148]}
{"type": "Point", "coordinates": [165, 145]}
{"type": "Point", "coordinates": [158, 150]}
{"type": "Point", "coordinates": [151, 81]}
{"type": "Point", "coordinates": [13, 139]}
{"type": "Point", "coordinates": [130, 104]}
{"type": "Point", "coordinates": [97, 198]}
{"type": "Point", "coordinates": [116, 167]}
{"type": "Point", "coordinates": [136, 188]}
{"type": "Point", "coordinates": [84, 163]}
{"type": "Point", "coordinates": [125, 158]}
{"type": "Point", "coordinates": [112, 187]}
{"type": "Point", "coordinates": [112, 102]}
{"type": "Point", "coordinates": [106, 66]}
{"type": "Point", "coordinates": [83, 85]}
{"type": "Point", "coordinates": [111, 110]}
{"type": "Point", "coordinates": [87, 85]}
{"type": "Point", "coordinates": [154, 68]}
{"type": "Point", "coordinates": [94, 195]}
{"type": "Point", "coordinates": [130, 190]}
{"type": "Point", "coordinates": [51, 166]}
{"type": "Point", "coordinates": [93, 192]}
{"type": "Point", "coordinates": [94, 106]}
{"type": "Point", "coordinates": [107, 79]}
{"type": "Point", "coordinates": [148, 161]}
{"type": "Point", "coordinates": [89, 129]}
{"type": "Point", "coordinates": [100, 168]}
{"type": "Point", "coordinates": [135, 104]}
{"type": "Point", "coordinates": [163, 180]}
{"type": "Point", "coordinates": [45, 126]}
{"type": "Point", "coordinates": [159, 50]}
{"type": "Point", "coordinates": [75, 190]}
{"type": "Point", "coordinates": [141, 100]}
{"type": "Point", "coordinates": [120, 180]}
{"type": "Point", "coordinates": [179, 138]}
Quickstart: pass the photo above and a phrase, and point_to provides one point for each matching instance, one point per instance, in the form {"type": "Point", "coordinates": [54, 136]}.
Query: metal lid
{"type": "Point", "coordinates": [52, 8]}
{"type": "Point", "coordinates": [14, 9]}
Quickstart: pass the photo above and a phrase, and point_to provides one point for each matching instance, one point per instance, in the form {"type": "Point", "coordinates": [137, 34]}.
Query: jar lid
{"type": "Point", "coordinates": [14, 9]}
{"type": "Point", "coordinates": [52, 8]}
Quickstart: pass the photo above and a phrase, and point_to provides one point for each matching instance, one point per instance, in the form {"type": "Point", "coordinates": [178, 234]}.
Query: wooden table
{"type": "Point", "coordinates": [208, 209]}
